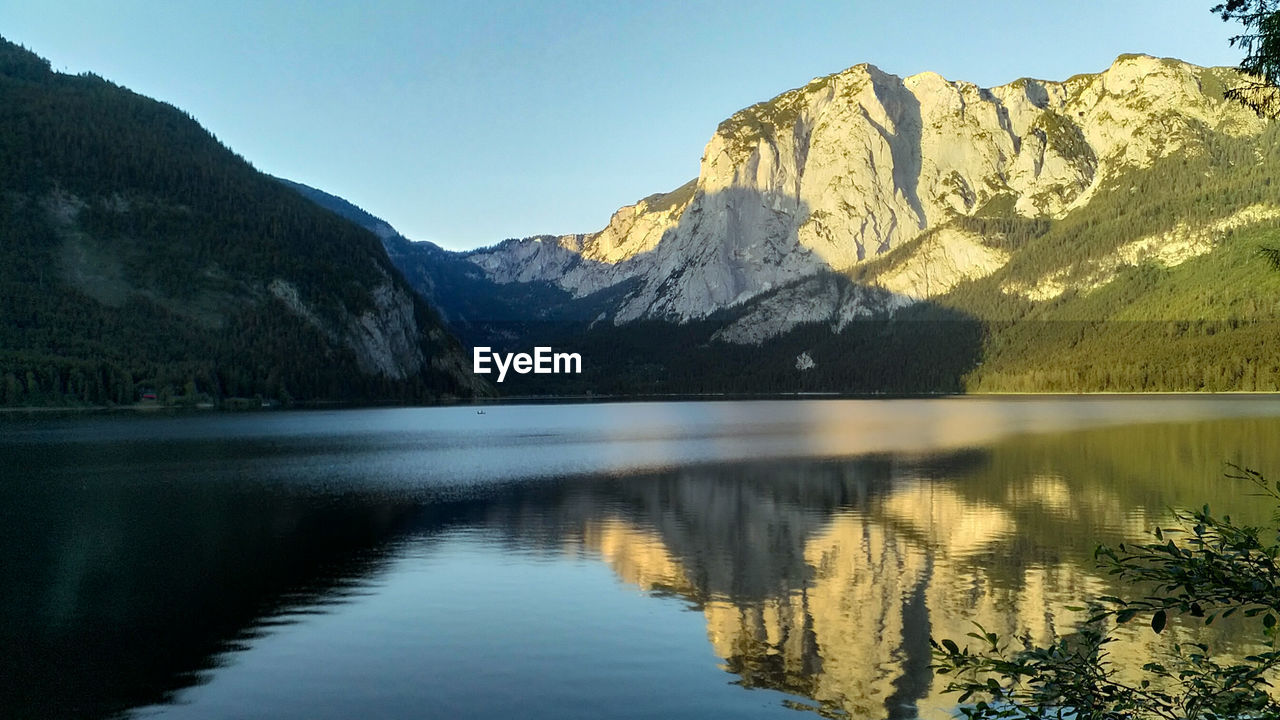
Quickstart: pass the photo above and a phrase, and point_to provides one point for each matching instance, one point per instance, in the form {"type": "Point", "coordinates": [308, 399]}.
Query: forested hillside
{"type": "Point", "coordinates": [141, 257]}
{"type": "Point", "coordinates": [1158, 284]}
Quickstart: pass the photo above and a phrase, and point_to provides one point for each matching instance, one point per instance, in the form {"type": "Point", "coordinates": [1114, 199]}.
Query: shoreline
{"type": "Point", "coordinates": [650, 397]}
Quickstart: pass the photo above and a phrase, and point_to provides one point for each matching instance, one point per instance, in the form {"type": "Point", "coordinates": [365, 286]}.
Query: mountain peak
{"type": "Point", "coordinates": [850, 166]}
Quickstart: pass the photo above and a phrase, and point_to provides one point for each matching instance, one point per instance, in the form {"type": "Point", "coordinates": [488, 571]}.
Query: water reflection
{"type": "Point", "coordinates": [139, 566]}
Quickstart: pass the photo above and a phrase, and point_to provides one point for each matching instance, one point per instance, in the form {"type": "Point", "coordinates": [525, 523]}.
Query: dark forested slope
{"type": "Point", "coordinates": [140, 255]}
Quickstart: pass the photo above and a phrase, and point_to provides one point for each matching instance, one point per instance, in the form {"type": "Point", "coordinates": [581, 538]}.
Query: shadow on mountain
{"type": "Point", "coordinates": [922, 348]}
{"type": "Point", "coordinates": [877, 347]}
{"type": "Point", "coordinates": [482, 312]}
{"type": "Point", "coordinates": [904, 144]}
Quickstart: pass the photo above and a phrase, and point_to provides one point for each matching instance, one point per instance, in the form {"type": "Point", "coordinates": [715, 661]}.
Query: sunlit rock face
{"type": "Point", "coordinates": [845, 169]}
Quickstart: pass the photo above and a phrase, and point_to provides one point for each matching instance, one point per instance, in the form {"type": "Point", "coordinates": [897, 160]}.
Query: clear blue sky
{"type": "Point", "coordinates": [472, 121]}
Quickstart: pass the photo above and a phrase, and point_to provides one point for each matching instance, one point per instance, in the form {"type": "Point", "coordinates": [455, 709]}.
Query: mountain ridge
{"type": "Point", "coordinates": [828, 167]}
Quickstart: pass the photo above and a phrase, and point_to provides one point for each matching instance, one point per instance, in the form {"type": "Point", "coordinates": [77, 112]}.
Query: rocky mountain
{"type": "Point", "coordinates": [1036, 235]}
{"type": "Point", "coordinates": [478, 308]}
{"type": "Point", "coordinates": [145, 260]}
{"type": "Point", "coordinates": [857, 164]}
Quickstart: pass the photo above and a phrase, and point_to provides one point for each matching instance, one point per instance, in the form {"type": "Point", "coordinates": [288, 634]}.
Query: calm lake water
{"type": "Point", "coordinates": [677, 560]}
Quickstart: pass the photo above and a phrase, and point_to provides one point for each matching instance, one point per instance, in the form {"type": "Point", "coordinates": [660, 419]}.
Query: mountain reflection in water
{"type": "Point", "coordinates": [142, 568]}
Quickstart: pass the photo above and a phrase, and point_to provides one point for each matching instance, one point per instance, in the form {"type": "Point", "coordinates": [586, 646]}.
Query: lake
{"type": "Point", "coordinates": [680, 560]}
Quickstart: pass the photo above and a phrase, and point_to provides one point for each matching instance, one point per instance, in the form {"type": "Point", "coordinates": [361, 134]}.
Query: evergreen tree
{"type": "Point", "coordinates": [1260, 41]}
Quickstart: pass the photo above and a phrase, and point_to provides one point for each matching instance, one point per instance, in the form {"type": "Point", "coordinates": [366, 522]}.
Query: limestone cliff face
{"type": "Point", "coordinates": [853, 165]}
{"type": "Point", "coordinates": [388, 338]}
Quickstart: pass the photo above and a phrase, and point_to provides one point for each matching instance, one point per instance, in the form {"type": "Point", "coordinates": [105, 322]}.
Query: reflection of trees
{"type": "Point", "coordinates": [116, 592]}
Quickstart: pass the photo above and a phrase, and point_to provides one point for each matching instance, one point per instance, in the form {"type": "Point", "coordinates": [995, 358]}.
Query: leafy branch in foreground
{"type": "Point", "coordinates": [1260, 41]}
{"type": "Point", "coordinates": [1206, 568]}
